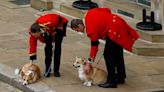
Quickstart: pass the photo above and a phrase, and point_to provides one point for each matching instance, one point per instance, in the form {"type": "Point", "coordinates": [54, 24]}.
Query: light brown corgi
{"type": "Point", "coordinates": [29, 73]}
{"type": "Point", "coordinates": [95, 76]}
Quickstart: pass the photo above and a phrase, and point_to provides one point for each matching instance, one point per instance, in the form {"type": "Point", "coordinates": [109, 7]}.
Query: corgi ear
{"type": "Point", "coordinates": [21, 74]}
{"type": "Point", "coordinates": [30, 73]}
{"type": "Point", "coordinates": [84, 62]}
{"type": "Point", "coordinates": [17, 71]}
{"type": "Point", "coordinates": [76, 57]}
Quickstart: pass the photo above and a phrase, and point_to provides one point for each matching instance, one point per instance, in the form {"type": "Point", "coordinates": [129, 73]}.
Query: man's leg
{"type": "Point", "coordinates": [109, 56]}
{"type": "Point", "coordinates": [48, 55]}
{"type": "Point", "coordinates": [57, 53]}
{"type": "Point", "coordinates": [121, 74]}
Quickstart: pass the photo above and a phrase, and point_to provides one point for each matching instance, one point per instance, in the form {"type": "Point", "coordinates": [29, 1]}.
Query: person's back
{"type": "Point", "coordinates": [97, 21]}
{"type": "Point", "coordinates": [51, 20]}
{"type": "Point", "coordinates": [104, 24]}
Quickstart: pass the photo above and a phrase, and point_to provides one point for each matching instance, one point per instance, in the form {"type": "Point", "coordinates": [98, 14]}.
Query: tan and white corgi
{"type": "Point", "coordinates": [95, 76]}
{"type": "Point", "coordinates": [29, 73]}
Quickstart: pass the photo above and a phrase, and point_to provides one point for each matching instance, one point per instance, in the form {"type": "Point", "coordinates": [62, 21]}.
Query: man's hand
{"type": "Point", "coordinates": [87, 67]}
{"type": "Point", "coordinates": [90, 60]}
{"type": "Point", "coordinates": [33, 57]}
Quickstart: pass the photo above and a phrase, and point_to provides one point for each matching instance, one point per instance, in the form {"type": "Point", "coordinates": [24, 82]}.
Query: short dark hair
{"type": "Point", "coordinates": [35, 27]}
{"type": "Point", "coordinates": [76, 22]}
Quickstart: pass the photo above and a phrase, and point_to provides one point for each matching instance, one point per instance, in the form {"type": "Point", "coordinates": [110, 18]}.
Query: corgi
{"type": "Point", "coordinates": [29, 73]}
{"type": "Point", "coordinates": [95, 76]}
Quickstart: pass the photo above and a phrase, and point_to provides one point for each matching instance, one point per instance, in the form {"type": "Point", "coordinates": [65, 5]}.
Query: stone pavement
{"type": "Point", "coordinates": [4, 87]}
{"type": "Point", "coordinates": [144, 74]}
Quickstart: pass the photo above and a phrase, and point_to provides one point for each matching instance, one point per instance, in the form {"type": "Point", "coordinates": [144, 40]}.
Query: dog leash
{"type": "Point", "coordinates": [49, 68]}
{"type": "Point", "coordinates": [31, 61]}
{"type": "Point", "coordinates": [99, 59]}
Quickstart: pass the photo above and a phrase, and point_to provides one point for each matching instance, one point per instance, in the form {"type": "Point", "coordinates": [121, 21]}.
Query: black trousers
{"type": "Point", "coordinates": [57, 51]}
{"type": "Point", "coordinates": [113, 55]}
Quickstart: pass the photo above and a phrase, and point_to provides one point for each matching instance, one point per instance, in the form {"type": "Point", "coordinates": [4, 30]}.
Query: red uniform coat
{"type": "Point", "coordinates": [101, 23]}
{"type": "Point", "coordinates": [52, 20]}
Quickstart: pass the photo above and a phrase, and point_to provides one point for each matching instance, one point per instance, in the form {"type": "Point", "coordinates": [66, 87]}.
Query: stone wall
{"type": "Point", "coordinates": [42, 4]}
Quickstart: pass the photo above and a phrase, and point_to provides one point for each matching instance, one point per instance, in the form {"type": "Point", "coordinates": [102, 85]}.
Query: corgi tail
{"type": "Point", "coordinates": [17, 71]}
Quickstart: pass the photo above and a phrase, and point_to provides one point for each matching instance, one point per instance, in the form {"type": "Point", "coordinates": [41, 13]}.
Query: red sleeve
{"type": "Point", "coordinates": [93, 49]}
{"type": "Point", "coordinates": [92, 32]}
{"type": "Point", "coordinates": [32, 44]}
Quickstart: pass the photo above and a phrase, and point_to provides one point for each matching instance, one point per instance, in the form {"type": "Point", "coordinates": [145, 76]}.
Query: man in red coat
{"type": "Point", "coordinates": [100, 23]}
{"type": "Point", "coordinates": [48, 28]}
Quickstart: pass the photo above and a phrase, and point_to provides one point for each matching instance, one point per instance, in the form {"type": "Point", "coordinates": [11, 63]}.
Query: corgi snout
{"type": "Point", "coordinates": [76, 66]}
{"type": "Point", "coordinates": [25, 83]}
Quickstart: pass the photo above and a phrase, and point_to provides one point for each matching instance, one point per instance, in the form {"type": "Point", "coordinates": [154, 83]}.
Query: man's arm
{"type": "Point", "coordinates": [32, 45]}
{"type": "Point", "coordinates": [94, 46]}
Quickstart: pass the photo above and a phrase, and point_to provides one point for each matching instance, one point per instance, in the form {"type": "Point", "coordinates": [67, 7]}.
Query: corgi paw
{"type": "Point", "coordinates": [85, 83]}
{"type": "Point", "coordinates": [89, 84]}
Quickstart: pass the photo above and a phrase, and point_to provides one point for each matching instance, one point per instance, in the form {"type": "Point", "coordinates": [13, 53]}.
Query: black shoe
{"type": "Point", "coordinates": [56, 74]}
{"type": "Point", "coordinates": [121, 81]}
{"type": "Point", "coordinates": [108, 85]}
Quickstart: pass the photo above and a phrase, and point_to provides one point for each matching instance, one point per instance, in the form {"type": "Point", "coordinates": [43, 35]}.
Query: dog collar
{"type": "Point", "coordinates": [90, 62]}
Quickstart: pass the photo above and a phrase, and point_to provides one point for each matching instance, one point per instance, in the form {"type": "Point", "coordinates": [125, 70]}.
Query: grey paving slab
{"type": "Point", "coordinates": [7, 71]}
{"type": "Point", "coordinates": [4, 87]}
{"type": "Point", "coordinates": [39, 87]}
{"type": "Point", "coordinates": [6, 3]}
